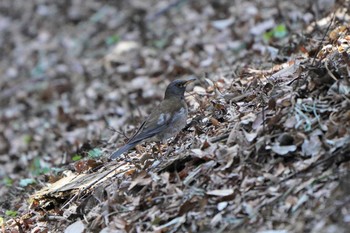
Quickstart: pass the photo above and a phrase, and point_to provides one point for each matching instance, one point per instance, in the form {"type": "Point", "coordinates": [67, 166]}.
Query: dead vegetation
{"type": "Point", "coordinates": [268, 138]}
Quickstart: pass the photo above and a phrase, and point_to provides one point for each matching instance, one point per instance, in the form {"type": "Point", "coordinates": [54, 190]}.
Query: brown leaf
{"type": "Point", "coordinates": [186, 207]}
{"type": "Point", "coordinates": [214, 121]}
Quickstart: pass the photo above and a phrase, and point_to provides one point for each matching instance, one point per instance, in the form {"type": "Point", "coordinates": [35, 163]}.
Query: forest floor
{"type": "Point", "coordinates": [267, 145]}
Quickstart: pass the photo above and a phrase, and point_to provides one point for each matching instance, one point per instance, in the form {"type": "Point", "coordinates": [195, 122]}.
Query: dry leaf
{"type": "Point", "coordinates": [220, 192]}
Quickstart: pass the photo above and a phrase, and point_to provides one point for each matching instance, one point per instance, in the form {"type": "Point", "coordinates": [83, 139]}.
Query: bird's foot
{"type": "Point", "coordinates": [128, 160]}
{"type": "Point", "coordinates": [140, 149]}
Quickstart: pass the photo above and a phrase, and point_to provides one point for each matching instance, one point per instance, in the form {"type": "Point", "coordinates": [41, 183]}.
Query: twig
{"type": "Point", "coordinates": [53, 218]}
{"type": "Point", "coordinates": [323, 38]}
{"type": "Point", "coordinates": [329, 72]}
{"type": "Point", "coordinates": [118, 131]}
{"type": "Point", "coordinates": [71, 200]}
{"type": "Point", "coordinates": [220, 138]}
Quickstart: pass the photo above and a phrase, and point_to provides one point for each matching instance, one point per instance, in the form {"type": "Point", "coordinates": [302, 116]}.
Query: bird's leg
{"type": "Point", "coordinates": [159, 147]}
{"type": "Point", "coordinates": [178, 137]}
{"type": "Point", "coordinates": [159, 150]}
{"type": "Point", "coordinates": [140, 149]}
{"type": "Point", "coordinates": [127, 158]}
{"type": "Point", "coordinates": [173, 142]}
{"type": "Point", "coordinates": [156, 150]}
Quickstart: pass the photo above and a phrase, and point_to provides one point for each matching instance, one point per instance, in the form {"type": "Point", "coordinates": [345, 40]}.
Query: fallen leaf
{"type": "Point", "coordinates": [223, 23]}
{"type": "Point", "coordinates": [76, 227]}
{"type": "Point", "coordinates": [220, 192]}
{"type": "Point", "coordinates": [283, 150]}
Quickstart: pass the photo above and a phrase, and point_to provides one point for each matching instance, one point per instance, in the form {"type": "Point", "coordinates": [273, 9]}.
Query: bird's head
{"type": "Point", "coordinates": [177, 87]}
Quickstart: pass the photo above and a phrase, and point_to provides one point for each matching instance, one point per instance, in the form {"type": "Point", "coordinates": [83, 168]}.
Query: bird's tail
{"type": "Point", "coordinates": [121, 150]}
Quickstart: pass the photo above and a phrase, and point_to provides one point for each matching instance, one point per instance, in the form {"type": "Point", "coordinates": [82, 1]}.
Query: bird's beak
{"type": "Point", "coordinates": [189, 80]}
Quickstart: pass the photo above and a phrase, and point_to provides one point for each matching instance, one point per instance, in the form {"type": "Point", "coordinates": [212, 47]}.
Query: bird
{"type": "Point", "coordinates": [165, 121]}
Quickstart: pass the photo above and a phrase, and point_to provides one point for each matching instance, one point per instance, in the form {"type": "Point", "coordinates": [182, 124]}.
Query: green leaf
{"type": "Point", "coordinates": [7, 181]}
{"type": "Point", "coordinates": [37, 168]}
{"type": "Point", "coordinates": [280, 31]}
{"type": "Point", "coordinates": [27, 139]}
{"type": "Point", "coordinates": [277, 32]}
{"type": "Point", "coordinates": [2, 222]}
{"type": "Point", "coordinates": [111, 40]}
{"type": "Point", "coordinates": [11, 213]}
{"type": "Point", "coordinates": [95, 153]}
{"type": "Point", "coordinates": [267, 36]}
{"type": "Point", "coordinates": [36, 163]}
{"type": "Point", "coordinates": [26, 182]}
{"type": "Point", "coordinates": [76, 157]}
{"type": "Point", "coordinates": [56, 170]}
{"type": "Point", "coordinates": [160, 44]}
{"type": "Point", "coordinates": [45, 170]}
{"type": "Point", "coordinates": [156, 221]}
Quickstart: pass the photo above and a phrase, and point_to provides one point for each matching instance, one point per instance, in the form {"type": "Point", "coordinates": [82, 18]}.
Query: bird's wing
{"type": "Point", "coordinates": [159, 120]}
{"type": "Point", "coordinates": [142, 134]}
{"type": "Point", "coordinates": [150, 128]}
{"type": "Point", "coordinates": [121, 150]}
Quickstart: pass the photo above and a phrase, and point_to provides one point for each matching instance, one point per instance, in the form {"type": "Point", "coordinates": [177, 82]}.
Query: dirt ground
{"type": "Point", "coordinates": [267, 144]}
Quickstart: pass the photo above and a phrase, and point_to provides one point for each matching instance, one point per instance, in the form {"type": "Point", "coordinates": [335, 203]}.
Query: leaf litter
{"type": "Point", "coordinates": [266, 148]}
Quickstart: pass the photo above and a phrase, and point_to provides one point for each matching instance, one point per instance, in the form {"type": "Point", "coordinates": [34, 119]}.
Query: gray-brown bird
{"type": "Point", "coordinates": [165, 121]}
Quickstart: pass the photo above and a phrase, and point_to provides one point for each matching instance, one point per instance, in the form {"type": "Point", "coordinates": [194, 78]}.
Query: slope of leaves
{"type": "Point", "coordinates": [267, 142]}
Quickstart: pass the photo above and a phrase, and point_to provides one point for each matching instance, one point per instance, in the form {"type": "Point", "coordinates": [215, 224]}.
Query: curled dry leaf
{"type": "Point", "coordinates": [220, 192]}
{"type": "Point", "coordinates": [223, 23]}
{"type": "Point", "coordinates": [76, 227]}
{"type": "Point", "coordinates": [222, 205]}
{"type": "Point", "coordinates": [283, 150]}
{"type": "Point", "coordinates": [312, 146]}
{"type": "Point", "coordinates": [250, 136]}
{"type": "Point", "coordinates": [176, 222]}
